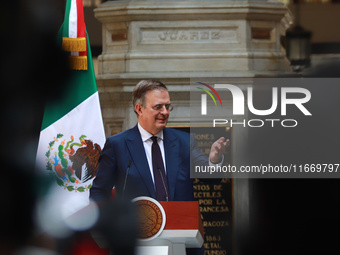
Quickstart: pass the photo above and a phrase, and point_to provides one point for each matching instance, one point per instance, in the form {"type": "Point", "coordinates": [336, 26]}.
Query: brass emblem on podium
{"type": "Point", "coordinates": [151, 217]}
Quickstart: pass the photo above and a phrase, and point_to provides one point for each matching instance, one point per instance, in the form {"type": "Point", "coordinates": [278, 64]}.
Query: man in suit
{"type": "Point", "coordinates": [127, 159]}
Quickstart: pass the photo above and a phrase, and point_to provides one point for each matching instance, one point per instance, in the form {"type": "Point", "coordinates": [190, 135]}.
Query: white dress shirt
{"type": "Point", "coordinates": [147, 142]}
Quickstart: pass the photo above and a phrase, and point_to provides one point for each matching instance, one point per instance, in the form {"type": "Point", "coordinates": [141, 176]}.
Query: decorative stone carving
{"type": "Point", "coordinates": [184, 38]}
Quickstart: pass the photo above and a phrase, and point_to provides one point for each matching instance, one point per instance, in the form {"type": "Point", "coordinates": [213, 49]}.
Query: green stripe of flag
{"type": "Point", "coordinates": [80, 86]}
{"type": "Point", "coordinates": [64, 28]}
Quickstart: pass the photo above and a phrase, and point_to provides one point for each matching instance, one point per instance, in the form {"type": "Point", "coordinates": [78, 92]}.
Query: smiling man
{"type": "Point", "coordinates": [150, 159]}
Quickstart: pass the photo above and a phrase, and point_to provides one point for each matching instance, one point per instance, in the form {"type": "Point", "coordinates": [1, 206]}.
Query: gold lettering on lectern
{"type": "Point", "coordinates": [214, 209]}
{"type": "Point", "coordinates": [207, 194]}
{"type": "Point", "coordinates": [212, 246]}
{"type": "Point", "coordinates": [205, 202]}
{"type": "Point", "coordinates": [202, 187]}
{"type": "Point", "coordinates": [215, 252]}
{"type": "Point", "coordinates": [215, 224]}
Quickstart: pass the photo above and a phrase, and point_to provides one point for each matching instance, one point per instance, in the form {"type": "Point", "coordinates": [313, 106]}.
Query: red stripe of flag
{"type": "Point", "coordinates": [81, 28]}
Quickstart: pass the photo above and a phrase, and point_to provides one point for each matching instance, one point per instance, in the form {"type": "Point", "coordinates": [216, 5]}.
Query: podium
{"type": "Point", "coordinates": [169, 227]}
{"type": "Point", "coordinates": [182, 229]}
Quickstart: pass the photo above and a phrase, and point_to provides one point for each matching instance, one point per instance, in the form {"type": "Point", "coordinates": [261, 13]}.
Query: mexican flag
{"type": "Point", "coordinates": [72, 132]}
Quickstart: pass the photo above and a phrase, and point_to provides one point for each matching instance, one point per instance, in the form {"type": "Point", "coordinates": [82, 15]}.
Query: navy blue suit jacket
{"type": "Point", "coordinates": [128, 145]}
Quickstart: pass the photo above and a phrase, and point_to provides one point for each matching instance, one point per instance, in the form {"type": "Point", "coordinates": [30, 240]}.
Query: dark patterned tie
{"type": "Point", "coordinates": [161, 181]}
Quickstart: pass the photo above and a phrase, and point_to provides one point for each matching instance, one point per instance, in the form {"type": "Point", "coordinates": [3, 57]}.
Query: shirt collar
{"type": "Point", "coordinates": [146, 135]}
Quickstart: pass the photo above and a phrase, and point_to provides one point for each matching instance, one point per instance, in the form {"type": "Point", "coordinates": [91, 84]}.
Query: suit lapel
{"type": "Point", "coordinates": [136, 148]}
{"type": "Point", "coordinates": [171, 150]}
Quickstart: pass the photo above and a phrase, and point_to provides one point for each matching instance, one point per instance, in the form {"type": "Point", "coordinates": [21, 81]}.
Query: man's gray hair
{"type": "Point", "coordinates": [139, 92]}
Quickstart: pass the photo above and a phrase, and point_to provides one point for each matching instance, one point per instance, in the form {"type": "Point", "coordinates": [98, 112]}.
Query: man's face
{"type": "Point", "coordinates": [150, 118]}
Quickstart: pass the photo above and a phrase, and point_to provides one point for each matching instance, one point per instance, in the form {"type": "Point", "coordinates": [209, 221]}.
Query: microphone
{"type": "Point", "coordinates": [166, 190]}
{"type": "Point", "coordinates": [126, 175]}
